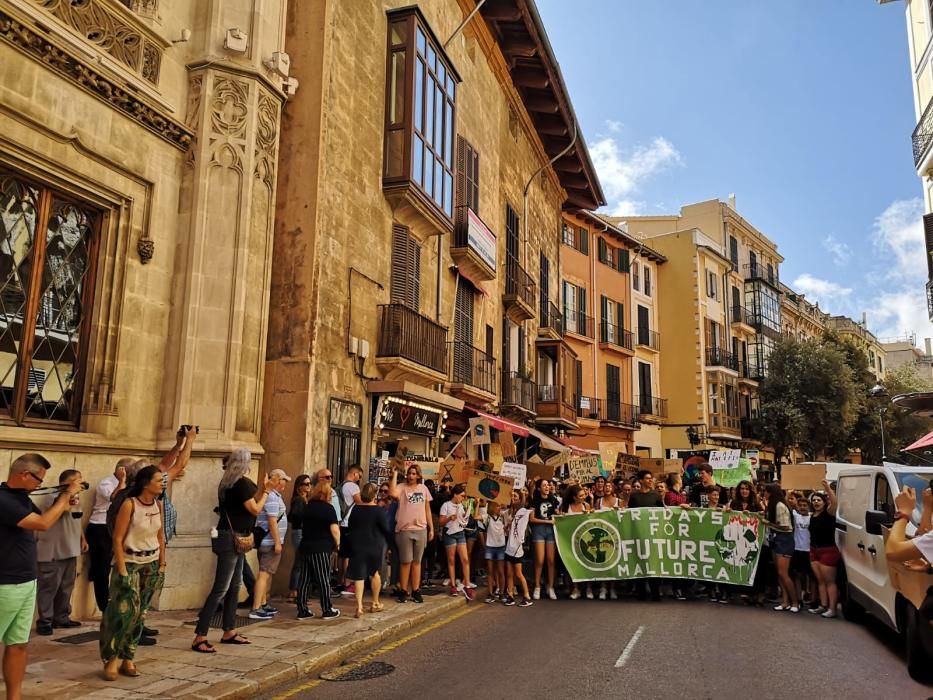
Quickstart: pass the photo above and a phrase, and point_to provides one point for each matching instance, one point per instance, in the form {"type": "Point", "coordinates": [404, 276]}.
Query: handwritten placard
{"type": "Point", "coordinates": [724, 459]}
{"type": "Point", "coordinates": [489, 486]}
{"type": "Point", "coordinates": [583, 469]}
{"type": "Point", "coordinates": [518, 472]}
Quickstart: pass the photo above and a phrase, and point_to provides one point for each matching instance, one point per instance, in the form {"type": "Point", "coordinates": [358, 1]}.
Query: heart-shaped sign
{"type": "Point", "coordinates": [404, 414]}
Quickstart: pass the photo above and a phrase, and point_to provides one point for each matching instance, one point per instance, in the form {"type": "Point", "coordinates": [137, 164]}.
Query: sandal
{"type": "Point", "coordinates": [376, 607]}
{"type": "Point", "coordinates": [359, 613]}
{"type": "Point", "coordinates": [235, 639]}
{"type": "Point", "coordinates": [203, 647]}
{"type": "Point", "coordinates": [129, 670]}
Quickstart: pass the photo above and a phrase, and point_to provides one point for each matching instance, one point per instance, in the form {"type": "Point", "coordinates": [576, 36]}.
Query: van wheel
{"type": "Point", "coordinates": [919, 662]}
{"type": "Point", "coordinates": [852, 611]}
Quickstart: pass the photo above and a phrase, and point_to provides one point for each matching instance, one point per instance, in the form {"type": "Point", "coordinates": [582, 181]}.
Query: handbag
{"type": "Point", "coordinates": [241, 543]}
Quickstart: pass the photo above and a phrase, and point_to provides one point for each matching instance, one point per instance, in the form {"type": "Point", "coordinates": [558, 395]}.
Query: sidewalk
{"type": "Point", "coordinates": [281, 650]}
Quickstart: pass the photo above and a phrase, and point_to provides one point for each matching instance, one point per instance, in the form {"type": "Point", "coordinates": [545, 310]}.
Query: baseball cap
{"type": "Point", "coordinates": [281, 474]}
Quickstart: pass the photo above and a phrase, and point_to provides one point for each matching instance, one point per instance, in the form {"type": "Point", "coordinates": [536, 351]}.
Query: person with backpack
{"type": "Point", "coordinates": [349, 497]}
{"type": "Point", "coordinates": [269, 536]}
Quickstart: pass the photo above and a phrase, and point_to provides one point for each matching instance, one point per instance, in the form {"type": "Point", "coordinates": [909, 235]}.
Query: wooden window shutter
{"type": "Point", "coordinates": [620, 315]}
{"type": "Point", "coordinates": [399, 276]}
{"type": "Point", "coordinates": [603, 250]}
{"type": "Point", "coordinates": [928, 239]}
{"type": "Point", "coordinates": [603, 309]}
{"type": "Point", "coordinates": [579, 379]}
{"type": "Point", "coordinates": [622, 261]}
{"type": "Point", "coordinates": [460, 198]}
{"type": "Point", "coordinates": [581, 299]}
{"type": "Point", "coordinates": [473, 183]}
{"type": "Point", "coordinates": [414, 258]}
{"type": "Point", "coordinates": [584, 241]}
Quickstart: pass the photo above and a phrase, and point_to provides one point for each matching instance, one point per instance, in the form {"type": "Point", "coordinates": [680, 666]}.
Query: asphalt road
{"type": "Point", "coordinates": [574, 650]}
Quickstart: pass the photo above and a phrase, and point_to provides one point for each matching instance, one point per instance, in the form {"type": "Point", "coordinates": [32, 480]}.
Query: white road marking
{"type": "Point", "coordinates": [629, 647]}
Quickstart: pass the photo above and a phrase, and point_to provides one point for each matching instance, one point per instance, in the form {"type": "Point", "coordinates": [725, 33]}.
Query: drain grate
{"type": "Point", "coordinates": [363, 672]}
{"type": "Point", "coordinates": [82, 638]}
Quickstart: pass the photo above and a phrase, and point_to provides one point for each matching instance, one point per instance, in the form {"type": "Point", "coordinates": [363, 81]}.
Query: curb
{"type": "Point", "coordinates": [279, 672]}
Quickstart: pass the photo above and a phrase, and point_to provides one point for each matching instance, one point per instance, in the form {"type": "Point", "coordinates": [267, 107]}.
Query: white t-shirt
{"type": "Point", "coordinates": [102, 495]}
{"type": "Point", "coordinates": [517, 532]}
{"type": "Point", "coordinates": [348, 491]}
{"type": "Point", "coordinates": [801, 532]}
{"type": "Point", "coordinates": [495, 531]}
{"type": "Point", "coordinates": [458, 522]}
{"type": "Point", "coordinates": [925, 545]}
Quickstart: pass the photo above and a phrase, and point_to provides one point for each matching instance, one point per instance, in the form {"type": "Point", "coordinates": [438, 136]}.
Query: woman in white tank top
{"type": "Point", "coordinates": [138, 572]}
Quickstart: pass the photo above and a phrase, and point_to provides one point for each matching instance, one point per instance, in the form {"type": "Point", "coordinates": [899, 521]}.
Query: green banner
{"type": "Point", "coordinates": [732, 477]}
{"type": "Point", "coordinates": [699, 543]}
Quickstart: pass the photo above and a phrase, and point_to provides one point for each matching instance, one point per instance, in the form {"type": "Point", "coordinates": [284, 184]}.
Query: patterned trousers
{"type": "Point", "coordinates": [130, 597]}
{"type": "Point", "coordinates": [315, 568]}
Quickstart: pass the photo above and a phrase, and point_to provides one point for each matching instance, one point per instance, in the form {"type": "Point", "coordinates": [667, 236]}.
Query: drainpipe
{"type": "Point", "coordinates": [532, 179]}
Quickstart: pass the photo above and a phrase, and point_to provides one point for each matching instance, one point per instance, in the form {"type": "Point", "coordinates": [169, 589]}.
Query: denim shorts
{"type": "Point", "coordinates": [783, 544]}
{"type": "Point", "coordinates": [495, 553]}
{"type": "Point", "coordinates": [455, 539]}
{"type": "Point", "coordinates": [542, 533]}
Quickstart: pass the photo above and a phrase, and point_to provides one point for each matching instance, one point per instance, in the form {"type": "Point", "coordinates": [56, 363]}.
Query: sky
{"type": "Point", "coordinates": [801, 108]}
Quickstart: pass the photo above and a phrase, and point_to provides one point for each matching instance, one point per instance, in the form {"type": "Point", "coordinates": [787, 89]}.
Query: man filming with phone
{"type": "Point", "coordinates": [19, 569]}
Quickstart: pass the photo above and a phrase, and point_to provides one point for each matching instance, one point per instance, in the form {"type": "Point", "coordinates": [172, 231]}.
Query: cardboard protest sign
{"type": "Point", "coordinates": [609, 451]}
{"type": "Point", "coordinates": [536, 470]}
{"type": "Point", "coordinates": [479, 431]}
{"type": "Point", "coordinates": [583, 469]}
{"type": "Point", "coordinates": [429, 470]}
{"type": "Point", "coordinates": [559, 459]}
{"type": "Point", "coordinates": [490, 487]}
{"type": "Point", "coordinates": [732, 477]}
{"type": "Point", "coordinates": [627, 465]}
{"type": "Point", "coordinates": [699, 544]}
{"type": "Point", "coordinates": [661, 466]}
{"type": "Point", "coordinates": [508, 444]}
{"type": "Point", "coordinates": [802, 477]}
{"type": "Point", "coordinates": [518, 472]}
{"type": "Point", "coordinates": [752, 456]}
{"type": "Point", "coordinates": [724, 459]}
{"type": "Point", "coordinates": [495, 456]}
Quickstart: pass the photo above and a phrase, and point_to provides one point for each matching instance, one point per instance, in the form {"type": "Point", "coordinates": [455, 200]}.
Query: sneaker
{"type": "Point", "coordinates": [829, 614]}
{"type": "Point", "coordinates": [612, 594]}
{"type": "Point", "coordinates": [401, 596]}
{"type": "Point", "coordinates": [349, 590]}
{"type": "Point", "coordinates": [817, 611]}
{"type": "Point", "coordinates": [509, 601]}
{"type": "Point", "coordinates": [551, 593]}
{"type": "Point", "coordinates": [536, 593]}
{"type": "Point", "coordinates": [305, 614]}
{"type": "Point", "coordinates": [589, 594]}
{"type": "Point", "coordinates": [794, 608]}
{"type": "Point", "coordinates": [679, 594]}
{"type": "Point", "coordinates": [149, 632]}
{"type": "Point", "coordinates": [71, 624]}
{"type": "Point", "coordinates": [260, 614]}
{"type": "Point", "coordinates": [338, 589]}
{"type": "Point", "coordinates": [575, 594]}
{"type": "Point", "coordinates": [602, 593]}
{"type": "Point", "coordinates": [445, 582]}
{"type": "Point", "coordinates": [526, 603]}
{"type": "Point", "coordinates": [454, 592]}
{"type": "Point", "coordinates": [781, 608]}
{"type": "Point", "coordinates": [146, 641]}
{"type": "Point", "coordinates": [416, 596]}
{"type": "Point", "coordinates": [270, 609]}
{"type": "Point", "coordinates": [44, 628]}
{"type": "Point", "coordinates": [724, 599]}
{"type": "Point", "coordinates": [469, 584]}
{"type": "Point", "coordinates": [331, 614]}
{"type": "Point", "coordinates": [468, 593]}
{"type": "Point", "coordinates": [713, 597]}
{"type": "Point", "coordinates": [490, 598]}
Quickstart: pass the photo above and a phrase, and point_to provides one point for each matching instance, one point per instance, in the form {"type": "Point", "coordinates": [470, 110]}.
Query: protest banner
{"type": "Point", "coordinates": [537, 470]}
{"type": "Point", "coordinates": [699, 544]}
{"type": "Point", "coordinates": [724, 459]}
{"type": "Point", "coordinates": [479, 431]}
{"type": "Point", "coordinates": [507, 441]}
{"type": "Point", "coordinates": [732, 477]}
{"type": "Point", "coordinates": [802, 477]}
{"type": "Point", "coordinates": [489, 486]}
{"type": "Point", "coordinates": [518, 472]}
{"type": "Point", "coordinates": [495, 456]}
{"type": "Point", "coordinates": [583, 469]}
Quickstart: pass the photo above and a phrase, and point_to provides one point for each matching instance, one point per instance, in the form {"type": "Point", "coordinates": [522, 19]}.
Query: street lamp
{"type": "Point", "coordinates": [694, 435]}
{"type": "Point", "coordinates": [879, 392]}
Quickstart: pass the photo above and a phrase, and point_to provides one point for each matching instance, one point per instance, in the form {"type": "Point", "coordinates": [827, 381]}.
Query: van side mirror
{"type": "Point", "coordinates": [875, 520]}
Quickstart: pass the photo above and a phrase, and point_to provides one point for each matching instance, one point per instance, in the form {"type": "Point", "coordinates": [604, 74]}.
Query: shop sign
{"type": "Point", "coordinates": [405, 418]}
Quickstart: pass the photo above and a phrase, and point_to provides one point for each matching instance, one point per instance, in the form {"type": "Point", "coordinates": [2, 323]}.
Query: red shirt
{"type": "Point", "coordinates": [672, 498]}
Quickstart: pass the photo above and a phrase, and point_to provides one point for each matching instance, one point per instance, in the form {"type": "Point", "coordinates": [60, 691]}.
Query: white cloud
{"type": "Point", "coordinates": [622, 174]}
{"type": "Point", "coordinates": [614, 126]}
{"type": "Point", "coordinates": [900, 313]}
{"type": "Point", "coordinates": [821, 290]}
{"type": "Point", "coordinates": [898, 232]}
{"type": "Point", "coordinates": [838, 251]}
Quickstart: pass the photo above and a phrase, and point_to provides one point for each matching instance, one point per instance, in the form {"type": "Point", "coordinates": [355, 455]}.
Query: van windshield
{"type": "Point", "coordinates": [917, 481]}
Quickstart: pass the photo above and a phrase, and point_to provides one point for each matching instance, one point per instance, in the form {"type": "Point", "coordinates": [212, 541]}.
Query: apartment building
{"type": "Point", "coordinates": [858, 333]}
{"type": "Point", "coordinates": [800, 318]}
{"type": "Point", "coordinates": [608, 297]}
{"type": "Point", "coordinates": [729, 271]}
{"type": "Point", "coordinates": [919, 35]}
{"type": "Point", "coordinates": [904, 351]}
{"type": "Point", "coordinates": [415, 281]}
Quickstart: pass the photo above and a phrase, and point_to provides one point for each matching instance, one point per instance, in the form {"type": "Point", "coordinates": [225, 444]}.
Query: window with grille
{"type": "Point", "coordinates": [405, 283]}
{"type": "Point", "coordinates": [48, 243]}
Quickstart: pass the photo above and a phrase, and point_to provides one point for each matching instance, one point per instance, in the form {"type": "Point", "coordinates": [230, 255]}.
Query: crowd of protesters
{"type": "Point", "coordinates": [396, 538]}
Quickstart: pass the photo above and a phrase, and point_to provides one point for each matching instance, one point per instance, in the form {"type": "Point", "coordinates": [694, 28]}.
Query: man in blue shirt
{"type": "Point", "coordinates": [271, 521]}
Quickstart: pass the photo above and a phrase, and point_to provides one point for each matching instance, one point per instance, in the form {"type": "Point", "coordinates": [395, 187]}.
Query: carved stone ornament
{"type": "Point", "coordinates": [74, 69]}
{"type": "Point", "coordinates": [145, 247]}
{"type": "Point", "coordinates": [103, 27]}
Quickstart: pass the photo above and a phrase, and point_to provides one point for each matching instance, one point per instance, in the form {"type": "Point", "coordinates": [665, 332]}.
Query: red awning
{"type": "Point", "coordinates": [925, 441]}
{"type": "Point", "coordinates": [501, 423]}
{"type": "Point", "coordinates": [476, 285]}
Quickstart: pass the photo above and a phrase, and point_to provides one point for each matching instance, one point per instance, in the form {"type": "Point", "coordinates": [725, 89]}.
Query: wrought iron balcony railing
{"type": "Point", "coordinates": [406, 333]}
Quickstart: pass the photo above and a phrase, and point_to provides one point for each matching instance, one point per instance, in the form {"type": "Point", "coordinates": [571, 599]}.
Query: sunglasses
{"type": "Point", "coordinates": [38, 479]}
{"type": "Point", "coordinates": [327, 477]}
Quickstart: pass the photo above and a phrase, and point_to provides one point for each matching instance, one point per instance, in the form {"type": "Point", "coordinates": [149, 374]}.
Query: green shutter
{"type": "Point", "coordinates": [623, 261]}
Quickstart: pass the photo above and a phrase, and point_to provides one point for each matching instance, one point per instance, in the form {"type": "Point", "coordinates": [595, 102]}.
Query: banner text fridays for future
{"type": "Point", "coordinates": [700, 544]}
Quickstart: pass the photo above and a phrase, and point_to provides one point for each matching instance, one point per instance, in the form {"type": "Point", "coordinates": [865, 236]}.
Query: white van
{"type": "Point", "coordinates": [865, 497]}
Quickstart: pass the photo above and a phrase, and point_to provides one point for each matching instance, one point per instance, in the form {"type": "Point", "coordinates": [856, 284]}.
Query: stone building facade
{"type": "Point", "coordinates": [417, 249]}
{"type": "Point", "coordinates": [138, 157]}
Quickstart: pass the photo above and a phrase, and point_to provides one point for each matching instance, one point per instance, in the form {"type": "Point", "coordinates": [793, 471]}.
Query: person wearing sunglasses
{"type": "Point", "coordinates": [301, 487]}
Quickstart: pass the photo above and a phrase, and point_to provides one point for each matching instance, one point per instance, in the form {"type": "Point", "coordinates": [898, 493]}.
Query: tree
{"type": "Point", "coordinates": [809, 398]}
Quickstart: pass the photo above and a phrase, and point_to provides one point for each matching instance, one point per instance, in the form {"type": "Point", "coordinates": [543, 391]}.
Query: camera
{"type": "Point", "coordinates": [187, 426]}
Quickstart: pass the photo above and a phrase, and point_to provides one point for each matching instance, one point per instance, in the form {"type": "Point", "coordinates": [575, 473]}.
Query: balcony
{"type": "Point", "coordinates": [757, 271]}
{"type": "Point", "coordinates": [747, 372]}
{"type": "Point", "coordinates": [717, 357]}
{"type": "Point", "coordinates": [519, 296]}
{"type": "Point", "coordinates": [472, 373]}
{"type": "Point", "coordinates": [579, 323]}
{"type": "Point", "coordinates": [615, 412]}
{"type": "Point", "coordinates": [651, 409]}
{"type": "Point", "coordinates": [922, 138]}
{"type": "Point", "coordinates": [556, 400]}
{"type": "Point", "coordinates": [588, 408]}
{"type": "Point", "coordinates": [930, 299]}
{"type": "Point", "coordinates": [748, 429]}
{"type": "Point", "coordinates": [550, 321]}
{"type": "Point", "coordinates": [518, 394]}
{"type": "Point", "coordinates": [647, 338]}
{"type": "Point", "coordinates": [741, 319]}
{"type": "Point", "coordinates": [474, 245]}
{"type": "Point", "coordinates": [723, 425]}
{"type": "Point", "coordinates": [613, 337]}
{"type": "Point", "coordinates": [555, 406]}
{"type": "Point", "coordinates": [411, 346]}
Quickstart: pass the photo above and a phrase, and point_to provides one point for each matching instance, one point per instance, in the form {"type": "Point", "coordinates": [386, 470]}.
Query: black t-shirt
{"type": "Point", "coordinates": [368, 529]}
{"type": "Point", "coordinates": [652, 499]}
{"type": "Point", "coordinates": [18, 554]}
{"type": "Point", "coordinates": [823, 530]}
{"type": "Point", "coordinates": [232, 505]}
{"type": "Point", "coordinates": [698, 497]}
{"type": "Point", "coordinates": [315, 519]}
{"type": "Point", "coordinates": [545, 508]}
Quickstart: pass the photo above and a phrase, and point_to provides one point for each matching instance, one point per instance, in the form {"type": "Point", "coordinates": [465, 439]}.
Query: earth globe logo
{"type": "Point", "coordinates": [596, 545]}
{"type": "Point", "coordinates": [737, 541]}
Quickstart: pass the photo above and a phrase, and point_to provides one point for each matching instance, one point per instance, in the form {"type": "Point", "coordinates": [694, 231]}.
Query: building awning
{"type": "Point", "coordinates": [547, 442]}
{"type": "Point", "coordinates": [415, 391]}
{"type": "Point", "coordinates": [476, 284]}
{"type": "Point", "coordinates": [501, 423]}
{"type": "Point", "coordinates": [925, 441]}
